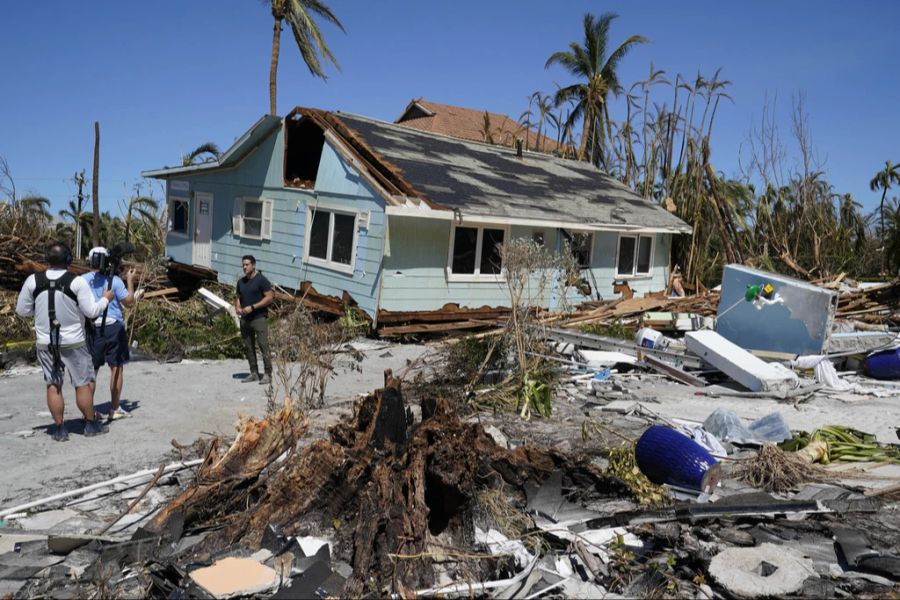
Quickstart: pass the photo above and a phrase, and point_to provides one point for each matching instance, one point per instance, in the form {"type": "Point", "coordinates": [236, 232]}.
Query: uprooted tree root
{"type": "Point", "coordinates": [775, 470]}
{"type": "Point", "coordinates": [391, 491]}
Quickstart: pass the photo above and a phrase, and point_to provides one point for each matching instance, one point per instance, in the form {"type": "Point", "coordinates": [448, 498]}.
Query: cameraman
{"type": "Point", "coordinates": [108, 340]}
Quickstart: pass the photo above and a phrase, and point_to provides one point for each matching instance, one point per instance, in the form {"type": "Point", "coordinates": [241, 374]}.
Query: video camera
{"type": "Point", "coordinates": [108, 264]}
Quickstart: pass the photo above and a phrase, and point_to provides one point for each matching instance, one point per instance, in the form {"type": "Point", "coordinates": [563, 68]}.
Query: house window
{"type": "Point", "coordinates": [178, 216]}
{"type": "Point", "coordinates": [252, 218]}
{"type": "Point", "coordinates": [331, 239]}
{"type": "Point", "coordinates": [635, 255]}
{"type": "Point", "coordinates": [476, 251]}
{"type": "Point", "coordinates": [580, 243]}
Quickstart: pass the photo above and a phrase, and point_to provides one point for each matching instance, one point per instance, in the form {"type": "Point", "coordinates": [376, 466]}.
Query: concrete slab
{"type": "Point", "coordinates": [748, 370]}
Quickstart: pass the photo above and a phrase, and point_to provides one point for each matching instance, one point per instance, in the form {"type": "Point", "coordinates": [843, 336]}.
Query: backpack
{"type": "Point", "coordinates": [63, 284]}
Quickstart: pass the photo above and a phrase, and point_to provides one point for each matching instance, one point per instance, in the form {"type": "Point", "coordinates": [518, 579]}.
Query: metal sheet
{"type": "Point", "coordinates": [800, 325]}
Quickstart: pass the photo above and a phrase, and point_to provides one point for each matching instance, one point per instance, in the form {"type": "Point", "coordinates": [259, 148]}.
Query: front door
{"type": "Point", "coordinates": [203, 208]}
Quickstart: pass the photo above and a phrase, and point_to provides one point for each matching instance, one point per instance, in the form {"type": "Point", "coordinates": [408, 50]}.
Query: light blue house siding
{"type": "Point", "coordinates": [259, 175]}
{"type": "Point", "coordinates": [416, 258]}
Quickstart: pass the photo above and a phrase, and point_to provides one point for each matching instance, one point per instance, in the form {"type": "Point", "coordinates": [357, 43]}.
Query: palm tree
{"type": "Point", "coordinates": [597, 70]}
{"type": "Point", "coordinates": [145, 208]}
{"type": "Point", "coordinates": [208, 148]}
{"type": "Point", "coordinates": [81, 218]}
{"type": "Point", "coordinates": [299, 15]}
{"type": "Point", "coordinates": [883, 180]}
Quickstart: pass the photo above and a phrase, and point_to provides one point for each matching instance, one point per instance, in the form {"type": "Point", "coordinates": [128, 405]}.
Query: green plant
{"type": "Point", "coordinates": [352, 322]}
{"type": "Point", "coordinates": [614, 330]}
{"type": "Point", "coordinates": [185, 330]}
{"type": "Point", "coordinates": [464, 359]}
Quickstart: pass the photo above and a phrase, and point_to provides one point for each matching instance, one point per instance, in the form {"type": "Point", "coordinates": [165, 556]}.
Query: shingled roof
{"type": "Point", "coordinates": [468, 124]}
{"type": "Point", "coordinates": [488, 180]}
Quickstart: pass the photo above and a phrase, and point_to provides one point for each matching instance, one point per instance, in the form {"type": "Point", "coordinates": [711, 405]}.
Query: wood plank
{"type": "Point", "coordinates": [156, 293]}
{"type": "Point", "coordinates": [431, 327]}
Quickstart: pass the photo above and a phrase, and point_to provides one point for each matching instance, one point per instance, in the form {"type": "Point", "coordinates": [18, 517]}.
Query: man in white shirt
{"type": "Point", "coordinates": [59, 301]}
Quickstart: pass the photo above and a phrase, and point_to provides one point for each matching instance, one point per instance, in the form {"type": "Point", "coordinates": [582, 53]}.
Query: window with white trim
{"type": "Point", "coordinates": [331, 238]}
{"type": "Point", "coordinates": [178, 215]}
{"type": "Point", "coordinates": [252, 218]}
{"type": "Point", "coordinates": [580, 244]}
{"type": "Point", "coordinates": [635, 255]}
{"type": "Point", "coordinates": [476, 251]}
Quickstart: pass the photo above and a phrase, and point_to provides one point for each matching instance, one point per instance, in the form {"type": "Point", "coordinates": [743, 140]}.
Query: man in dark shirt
{"type": "Point", "coordinates": [254, 294]}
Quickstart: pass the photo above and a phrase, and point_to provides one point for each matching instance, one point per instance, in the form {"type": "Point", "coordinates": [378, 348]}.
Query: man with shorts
{"type": "Point", "coordinates": [254, 294]}
{"type": "Point", "coordinates": [59, 301]}
{"type": "Point", "coordinates": [107, 337]}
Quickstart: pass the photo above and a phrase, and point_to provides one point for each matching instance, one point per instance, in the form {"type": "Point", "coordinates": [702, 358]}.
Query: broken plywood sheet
{"type": "Point", "coordinates": [748, 370]}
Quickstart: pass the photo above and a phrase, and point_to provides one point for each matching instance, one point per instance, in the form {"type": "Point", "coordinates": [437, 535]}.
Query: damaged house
{"type": "Point", "coordinates": [403, 220]}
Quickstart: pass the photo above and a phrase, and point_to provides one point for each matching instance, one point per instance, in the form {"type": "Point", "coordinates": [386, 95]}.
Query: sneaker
{"type": "Point", "coordinates": [60, 434]}
{"type": "Point", "coordinates": [265, 380]}
{"type": "Point", "coordinates": [92, 428]}
{"type": "Point", "coordinates": [250, 378]}
{"type": "Point", "coordinates": [119, 413]}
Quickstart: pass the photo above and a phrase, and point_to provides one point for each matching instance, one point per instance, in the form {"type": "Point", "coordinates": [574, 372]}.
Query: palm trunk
{"type": "Point", "coordinates": [586, 131]}
{"type": "Point", "coordinates": [95, 187]}
{"type": "Point", "coordinates": [273, 66]}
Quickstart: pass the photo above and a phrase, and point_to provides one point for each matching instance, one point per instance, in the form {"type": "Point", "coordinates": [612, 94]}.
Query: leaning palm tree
{"type": "Point", "coordinates": [209, 149]}
{"type": "Point", "coordinates": [299, 15]}
{"type": "Point", "coordinates": [597, 71]}
{"type": "Point", "coordinates": [883, 180]}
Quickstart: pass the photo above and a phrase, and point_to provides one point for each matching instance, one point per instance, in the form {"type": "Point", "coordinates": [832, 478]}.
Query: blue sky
{"type": "Point", "coordinates": [165, 76]}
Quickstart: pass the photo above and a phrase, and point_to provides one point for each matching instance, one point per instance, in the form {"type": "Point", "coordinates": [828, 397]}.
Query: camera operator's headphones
{"type": "Point", "coordinates": [98, 257]}
{"type": "Point", "coordinates": [66, 249]}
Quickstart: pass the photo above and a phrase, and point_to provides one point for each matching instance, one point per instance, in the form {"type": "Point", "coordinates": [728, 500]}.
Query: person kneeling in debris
{"type": "Point", "coordinates": [59, 300]}
{"type": "Point", "coordinates": [254, 294]}
{"type": "Point", "coordinates": [106, 336]}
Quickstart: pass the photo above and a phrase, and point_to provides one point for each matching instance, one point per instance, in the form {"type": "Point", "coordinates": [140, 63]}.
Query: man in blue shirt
{"type": "Point", "coordinates": [109, 340]}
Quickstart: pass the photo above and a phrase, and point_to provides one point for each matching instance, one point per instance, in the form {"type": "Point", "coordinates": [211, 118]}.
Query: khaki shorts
{"type": "Point", "coordinates": [77, 360]}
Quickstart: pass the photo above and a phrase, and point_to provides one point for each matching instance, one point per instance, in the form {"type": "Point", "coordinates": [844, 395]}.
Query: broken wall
{"type": "Point", "coordinates": [418, 251]}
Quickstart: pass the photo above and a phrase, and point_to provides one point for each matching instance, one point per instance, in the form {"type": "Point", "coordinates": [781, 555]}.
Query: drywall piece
{"type": "Point", "coordinates": [801, 324]}
{"type": "Point", "coordinates": [748, 370]}
{"type": "Point", "coordinates": [235, 577]}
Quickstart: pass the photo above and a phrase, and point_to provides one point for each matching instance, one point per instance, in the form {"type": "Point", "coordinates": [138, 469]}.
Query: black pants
{"type": "Point", "coordinates": [252, 333]}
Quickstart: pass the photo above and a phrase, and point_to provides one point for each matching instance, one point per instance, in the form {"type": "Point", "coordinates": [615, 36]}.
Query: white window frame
{"type": "Point", "coordinates": [328, 263]}
{"type": "Point", "coordinates": [477, 275]}
{"type": "Point", "coordinates": [170, 228]}
{"type": "Point", "coordinates": [637, 246]}
{"type": "Point", "coordinates": [237, 217]}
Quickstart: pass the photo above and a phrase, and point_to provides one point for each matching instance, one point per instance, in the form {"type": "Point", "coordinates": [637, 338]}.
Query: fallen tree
{"type": "Point", "coordinates": [392, 485]}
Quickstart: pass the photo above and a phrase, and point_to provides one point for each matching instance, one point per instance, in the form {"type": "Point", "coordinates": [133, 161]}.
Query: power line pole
{"type": "Point", "coordinates": [79, 179]}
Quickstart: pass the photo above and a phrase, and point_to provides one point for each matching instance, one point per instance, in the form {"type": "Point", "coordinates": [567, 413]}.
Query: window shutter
{"type": "Point", "coordinates": [267, 220]}
{"type": "Point", "coordinates": [236, 212]}
{"type": "Point", "coordinates": [170, 207]}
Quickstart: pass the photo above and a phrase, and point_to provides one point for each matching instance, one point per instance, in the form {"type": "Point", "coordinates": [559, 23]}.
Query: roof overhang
{"type": "Point", "coordinates": [238, 150]}
{"type": "Point", "coordinates": [462, 218]}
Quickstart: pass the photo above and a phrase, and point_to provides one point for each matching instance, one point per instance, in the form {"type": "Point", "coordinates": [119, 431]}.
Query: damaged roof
{"type": "Point", "coordinates": [232, 156]}
{"type": "Point", "coordinates": [468, 123]}
{"type": "Point", "coordinates": [488, 180]}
